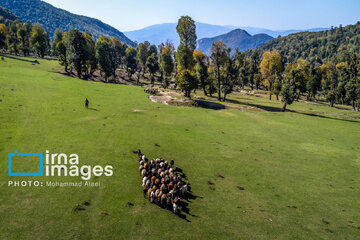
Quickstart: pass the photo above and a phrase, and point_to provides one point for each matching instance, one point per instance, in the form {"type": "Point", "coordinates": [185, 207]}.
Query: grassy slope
{"type": "Point", "coordinates": [282, 159]}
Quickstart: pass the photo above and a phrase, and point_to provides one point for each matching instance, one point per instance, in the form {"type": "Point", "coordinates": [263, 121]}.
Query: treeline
{"type": "Point", "coordinates": [22, 39]}
{"type": "Point", "coordinates": [316, 47]}
{"type": "Point", "coordinates": [336, 80]}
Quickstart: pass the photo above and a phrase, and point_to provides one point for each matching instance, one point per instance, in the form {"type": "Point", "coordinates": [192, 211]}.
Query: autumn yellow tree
{"type": "Point", "coordinates": [271, 68]}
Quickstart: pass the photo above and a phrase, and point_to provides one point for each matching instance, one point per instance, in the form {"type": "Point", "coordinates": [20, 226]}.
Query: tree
{"type": "Point", "coordinates": [12, 39]}
{"type": "Point", "coordinates": [167, 61]}
{"type": "Point", "coordinates": [302, 76]}
{"type": "Point", "coordinates": [39, 40]}
{"type": "Point", "coordinates": [186, 80]}
{"type": "Point", "coordinates": [253, 70]}
{"type": "Point", "coordinates": [229, 75]}
{"type": "Point", "coordinates": [24, 33]}
{"type": "Point", "coordinates": [142, 55]}
{"type": "Point", "coordinates": [3, 35]}
{"type": "Point", "coordinates": [152, 49]}
{"type": "Point", "coordinates": [242, 68]}
{"type": "Point", "coordinates": [218, 60]}
{"type": "Point", "coordinates": [201, 69]}
{"type": "Point", "coordinates": [277, 87]}
{"type": "Point", "coordinates": [116, 54]}
{"type": "Point", "coordinates": [76, 50]}
{"type": "Point", "coordinates": [352, 86]}
{"type": "Point", "coordinates": [271, 68]}
{"type": "Point", "coordinates": [58, 36]}
{"type": "Point", "coordinates": [130, 60]}
{"type": "Point", "coordinates": [314, 83]}
{"type": "Point", "coordinates": [90, 62]}
{"type": "Point", "coordinates": [61, 52]}
{"type": "Point", "coordinates": [103, 54]}
{"type": "Point", "coordinates": [330, 81]}
{"type": "Point", "coordinates": [288, 90]}
{"type": "Point", "coordinates": [152, 65]}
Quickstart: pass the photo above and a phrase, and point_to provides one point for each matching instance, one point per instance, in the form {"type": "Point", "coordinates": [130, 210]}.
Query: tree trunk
{"type": "Point", "coordinates": [224, 99]}
{"type": "Point", "coordinates": [331, 103]}
{"type": "Point", "coordinates": [204, 91]}
{"type": "Point", "coordinates": [277, 97]}
{"type": "Point", "coordinates": [354, 105]}
{"type": "Point", "coordinates": [284, 108]}
{"type": "Point", "coordinates": [270, 96]}
{"type": "Point", "coordinates": [219, 84]}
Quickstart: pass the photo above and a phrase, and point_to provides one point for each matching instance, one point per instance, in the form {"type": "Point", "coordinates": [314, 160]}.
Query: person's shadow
{"type": "Point", "coordinates": [94, 109]}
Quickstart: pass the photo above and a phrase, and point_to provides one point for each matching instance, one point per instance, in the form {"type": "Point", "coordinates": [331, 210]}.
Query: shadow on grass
{"type": "Point", "coordinates": [210, 105]}
{"type": "Point", "coordinates": [94, 109]}
{"type": "Point", "coordinates": [277, 109]}
{"type": "Point", "coordinates": [20, 59]}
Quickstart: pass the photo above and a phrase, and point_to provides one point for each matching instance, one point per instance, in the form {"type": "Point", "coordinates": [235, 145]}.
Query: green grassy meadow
{"type": "Point", "coordinates": [300, 169]}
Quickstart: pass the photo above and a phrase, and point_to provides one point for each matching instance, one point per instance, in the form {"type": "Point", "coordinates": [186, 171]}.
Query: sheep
{"type": "Point", "coordinates": [183, 189]}
{"type": "Point", "coordinates": [175, 208]}
{"type": "Point", "coordinates": [152, 197]}
{"type": "Point", "coordinates": [163, 199]}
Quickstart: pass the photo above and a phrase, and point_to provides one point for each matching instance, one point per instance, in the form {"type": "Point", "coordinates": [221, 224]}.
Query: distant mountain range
{"type": "Point", "coordinates": [51, 18]}
{"type": "Point", "coordinates": [237, 38]}
{"type": "Point", "coordinates": [276, 33]}
{"type": "Point", "coordinates": [159, 33]}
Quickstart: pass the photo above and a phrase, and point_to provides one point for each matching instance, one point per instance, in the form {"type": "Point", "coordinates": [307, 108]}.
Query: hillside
{"type": "Point", "coordinates": [237, 38]}
{"type": "Point", "coordinates": [7, 17]}
{"type": "Point", "coordinates": [316, 47]}
{"type": "Point", "coordinates": [51, 17]}
{"type": "Point", "coordinates": [159, 33]}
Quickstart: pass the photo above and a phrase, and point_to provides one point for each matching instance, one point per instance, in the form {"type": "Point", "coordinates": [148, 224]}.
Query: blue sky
{"type": "Point", "coordinates": [276, 14]}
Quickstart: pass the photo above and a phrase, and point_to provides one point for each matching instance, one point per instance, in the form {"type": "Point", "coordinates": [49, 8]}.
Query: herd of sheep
{"type": "Point", "coordinates": [162, 185]}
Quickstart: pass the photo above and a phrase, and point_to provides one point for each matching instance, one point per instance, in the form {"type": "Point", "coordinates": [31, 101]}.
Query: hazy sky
{"type": "Point", "coordinates": [276, 14]}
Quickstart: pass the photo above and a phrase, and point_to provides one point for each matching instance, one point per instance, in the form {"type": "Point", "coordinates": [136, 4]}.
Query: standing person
{"type": "Point", "coordinates": [86, 103]}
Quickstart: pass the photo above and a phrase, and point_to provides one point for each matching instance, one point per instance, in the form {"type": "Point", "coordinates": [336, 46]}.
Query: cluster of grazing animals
{"type": "Point", "coordinates": [162, 185]}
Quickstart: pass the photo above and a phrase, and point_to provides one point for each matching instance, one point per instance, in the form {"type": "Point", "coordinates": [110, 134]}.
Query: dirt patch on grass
{"type": "Point", "coordinates": [138, 111]}
{"type": "Point", "coordinates": [171, 98]}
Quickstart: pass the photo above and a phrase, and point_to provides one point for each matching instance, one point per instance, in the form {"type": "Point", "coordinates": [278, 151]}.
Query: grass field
{"type": "Point", "coordinates": [300, 169]}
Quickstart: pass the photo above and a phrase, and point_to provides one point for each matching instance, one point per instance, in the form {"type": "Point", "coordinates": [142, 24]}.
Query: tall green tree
{"type": "Point", "coordinates": [186, 79]}
{"type": "Point", "coordinates": [90, 61]}
{"type": "Point", "coordinates": [152, 65]}
{"type": "Point", "coordinates": [61, 52]}
{"type": "Point", "coordinates": [201, 69]}
{"type": "Point", "coordinates": [330, 81]}
{"type": "Point", "coordinates": [58, 36]}
{"type": "Point", "coordinates": [130, 61]}
{"type": "Point", "coordinates": [167, 61]}
{"type": "Point", "coordinates": [3, 35]}
{"type": "Point", "coordinates": [24, 34]}
{"type": "Point", "coordinates": [76, 50]}
{"type": "Point", "coordinates": [103, 54]}
{"type": "Point", "coordinates": [288, 88]}
{"type": "Point", "coordinates": [142, 55]}
{"type": "Point", "coordinates": [12, 39]}
{"type": "Point", "coordinates": [253, 70]}
{"type": "Point", "coordinates": [219, 57]}
{"type": "Point", "coordinates": [230, 72]}
{"type": "Point", "coordinates": [39, 40]}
